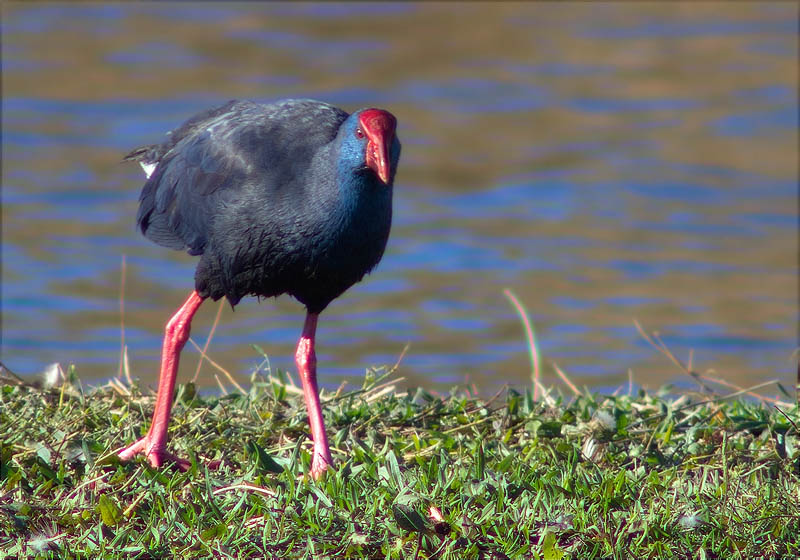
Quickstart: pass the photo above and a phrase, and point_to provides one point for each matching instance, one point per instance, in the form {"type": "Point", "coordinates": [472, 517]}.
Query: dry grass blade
{"type": "Point", "coordinates": [124, 366]}
{"type": "Point", "coordinates": [566, 380]}
{"type": "Point", "coordinates": [130, 509]}
{"type": "Point", "coordinates": [290, 387]}
{"type": "Point", "coordinates": [203, 353]}
{"type": "Point", "coordinates": [659, 345]}
{"type": "Point", "coordinates": [399, 359]}
{"type": "Point", "coordinates": [745, 391]}
{"type": "Point", "coordinates": [378, 391]}
{"type": "Point", "coordinates": [630, 380]}
{"type": "Point", "coordinates": [789, 419]}
{"type": "Point", "coordinates": [220, 385]}
{"type": "Point", "coordinates": [730, 385]}
{"type": "Point", "coordinates": [87, 483]}
{"type": "Point", "coordinates": [548, 400]}
{"type": "Point", "coordinates": [375, 395]}
{"type": "Point", "coordinates": [340, 390]}
{"type": "Point", "coordinates": [119, 387]}
{"type": "Point", "coordinates": [532, 349]}
{"type": "Point", "coordinates": [219, 367]}
{"type": "Point", "coordinates": [10, 378]}
{"type": "Point", "coordinates": [248, 487]}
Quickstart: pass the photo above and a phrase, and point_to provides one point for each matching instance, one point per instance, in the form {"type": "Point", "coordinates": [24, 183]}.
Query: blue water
{"type": "Point", "coordinates": [607, 163]}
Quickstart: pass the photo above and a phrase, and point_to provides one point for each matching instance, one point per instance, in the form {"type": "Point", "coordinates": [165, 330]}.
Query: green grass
{"type": "Point", "coordinates": [625, 476]}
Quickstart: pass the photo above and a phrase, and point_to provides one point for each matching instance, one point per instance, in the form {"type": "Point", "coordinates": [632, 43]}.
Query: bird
{"type": "Point", "coordinates": [291, 197]}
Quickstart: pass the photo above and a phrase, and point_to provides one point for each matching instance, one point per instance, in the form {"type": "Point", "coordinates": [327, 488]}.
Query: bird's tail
{"type": "Point", "coordinates": [147, 154]}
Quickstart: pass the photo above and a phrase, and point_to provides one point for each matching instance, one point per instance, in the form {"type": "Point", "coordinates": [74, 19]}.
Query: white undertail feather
{"type": "Point", "coordinates": [148, 168]}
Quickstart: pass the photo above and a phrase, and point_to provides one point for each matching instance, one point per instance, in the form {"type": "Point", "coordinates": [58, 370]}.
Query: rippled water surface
{"type": "Point", "coordinates": [607, 162]}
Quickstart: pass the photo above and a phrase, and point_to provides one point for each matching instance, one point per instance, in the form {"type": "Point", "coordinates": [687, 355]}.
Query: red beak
{"type": "Point", "coordinates": [379, 126]}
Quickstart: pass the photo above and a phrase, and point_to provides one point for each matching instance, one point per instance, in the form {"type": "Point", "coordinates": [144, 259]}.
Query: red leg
{"type": "Point", "coordinates": [154, 444]}
{"type": "Point", "coordinates": [306, 360]}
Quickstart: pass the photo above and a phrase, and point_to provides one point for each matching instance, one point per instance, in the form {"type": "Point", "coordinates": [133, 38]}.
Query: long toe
{"type": "Point", "coordinates": [159, 459]}
{"type": "Point", "coordinates": [155, 457]}
{"type": "Point", "coordinates": [128, 453]}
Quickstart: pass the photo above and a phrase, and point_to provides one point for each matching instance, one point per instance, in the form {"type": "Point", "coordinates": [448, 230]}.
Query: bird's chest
{"type": "Point", "coordinates": [350, 240]}
{"type": "Point", "coordinates": [323, 240]}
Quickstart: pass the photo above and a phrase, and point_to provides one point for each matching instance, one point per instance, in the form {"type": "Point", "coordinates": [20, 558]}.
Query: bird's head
{"type": "Point", "coordinates": [371, 143]}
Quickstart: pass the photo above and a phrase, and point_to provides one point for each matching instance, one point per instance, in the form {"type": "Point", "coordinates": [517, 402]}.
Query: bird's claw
{"type": "Point", "coordinates": [155, 456]}
{"type": "Point", "coordinates": [319, 464]}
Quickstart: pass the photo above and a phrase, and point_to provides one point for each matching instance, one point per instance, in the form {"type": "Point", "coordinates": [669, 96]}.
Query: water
{"type": "Point", "coordinates": [607, 162]}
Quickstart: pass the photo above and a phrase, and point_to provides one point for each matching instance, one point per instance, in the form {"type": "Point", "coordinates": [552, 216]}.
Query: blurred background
{"type": "Point", "coordinates": [606, 162]}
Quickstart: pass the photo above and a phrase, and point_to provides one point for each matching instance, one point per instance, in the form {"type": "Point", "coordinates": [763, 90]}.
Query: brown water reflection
{"type": "Point", "coordinates": [605, 161]}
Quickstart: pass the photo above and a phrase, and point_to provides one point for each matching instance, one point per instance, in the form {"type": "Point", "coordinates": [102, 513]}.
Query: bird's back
{"type": "Point", "coordinates": [210, 159]}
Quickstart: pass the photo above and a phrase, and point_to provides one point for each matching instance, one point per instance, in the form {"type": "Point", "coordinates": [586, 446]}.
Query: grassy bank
{"type": "Point", "coordinates": [418, 476]}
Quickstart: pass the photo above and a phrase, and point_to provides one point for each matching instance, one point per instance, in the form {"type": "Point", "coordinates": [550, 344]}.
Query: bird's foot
{"type": "Point", "coordinates": [320, 461]}
{"type": "Point", "coordinates": [155, 455]}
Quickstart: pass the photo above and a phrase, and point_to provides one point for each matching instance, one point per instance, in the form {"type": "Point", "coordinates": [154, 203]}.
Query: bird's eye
{"type": "Point", "coordinates": [359, 133]}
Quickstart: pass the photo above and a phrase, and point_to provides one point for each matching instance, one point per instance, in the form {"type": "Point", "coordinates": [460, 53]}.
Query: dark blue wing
{"type": "Point", "coordinates": [218, 159]}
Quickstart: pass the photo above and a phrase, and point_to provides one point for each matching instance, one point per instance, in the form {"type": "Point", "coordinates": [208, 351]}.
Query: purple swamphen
{"type": "Point", "coordinates": [293, 197]}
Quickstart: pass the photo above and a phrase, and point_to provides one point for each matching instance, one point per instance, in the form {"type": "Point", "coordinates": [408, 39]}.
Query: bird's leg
{"type": "Point", "coordinates": [306, 360]}
{"type": "Point", "coordinates": [154, 444]}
